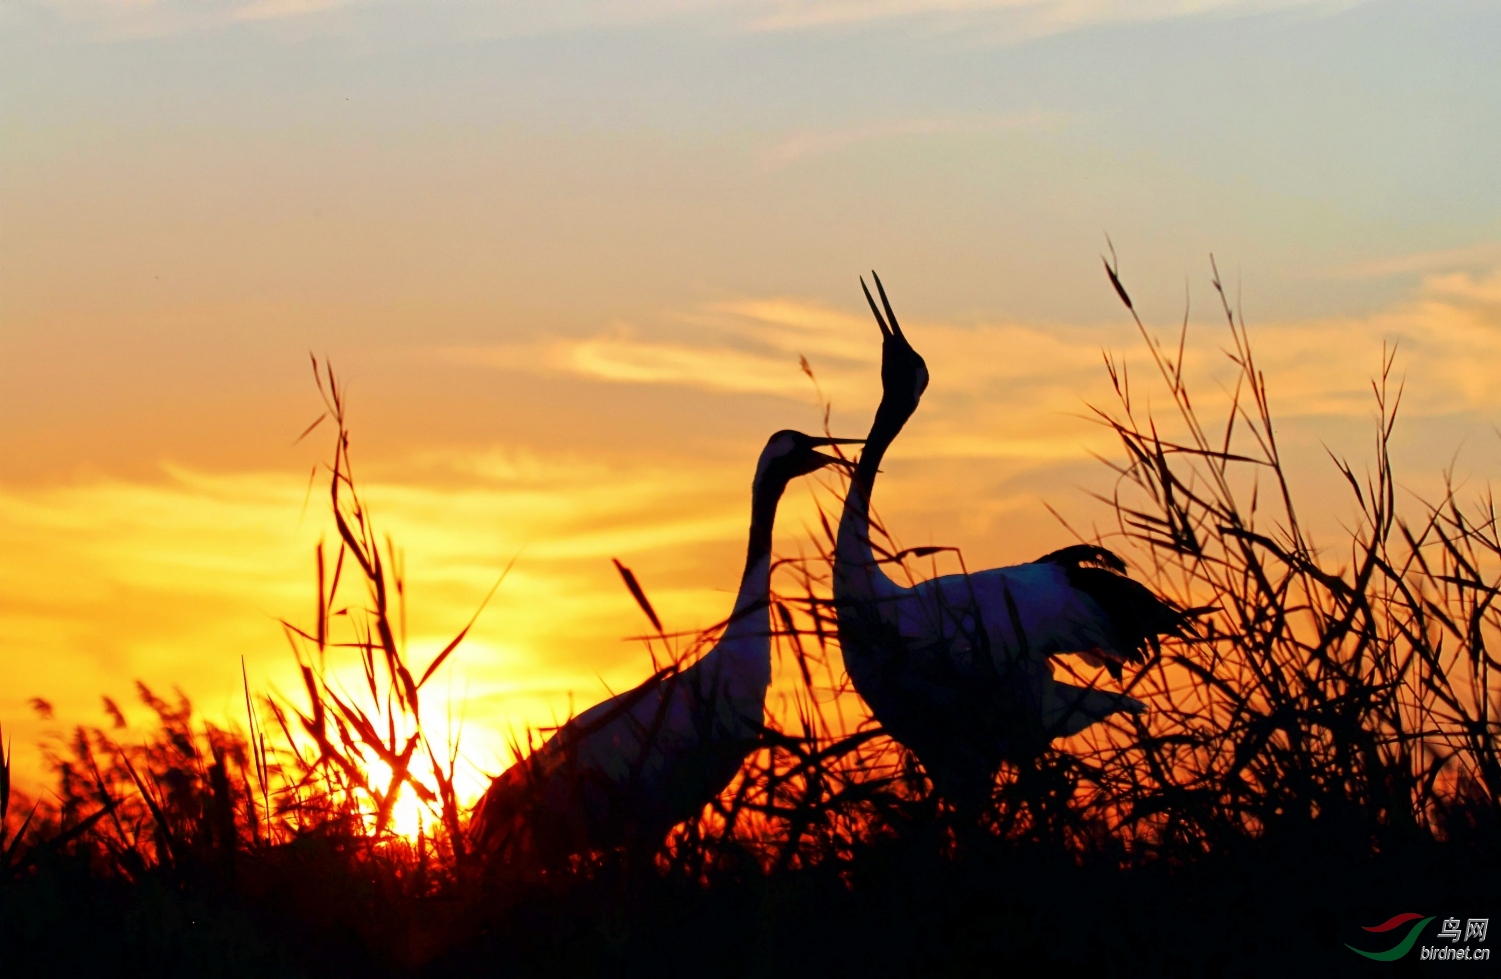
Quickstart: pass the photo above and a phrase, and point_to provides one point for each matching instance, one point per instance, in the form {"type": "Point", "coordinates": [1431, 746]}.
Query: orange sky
{"type": "Point", "coordinates": [566, 270]}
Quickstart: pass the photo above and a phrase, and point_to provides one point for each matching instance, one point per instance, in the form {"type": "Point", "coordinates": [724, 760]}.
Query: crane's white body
{"type": "Point", "coordinates": [628, 769]}
{"type": "Point", "coordinates": [646, 733]}
{"type": "Point", "coordinates": [970, 632]}
{"type": "Point", "coordinates": [636, 764]}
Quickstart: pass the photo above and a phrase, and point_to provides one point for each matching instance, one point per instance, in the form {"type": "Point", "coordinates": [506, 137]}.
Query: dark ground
{"type": "Point", "coordinates": [1273, 908]}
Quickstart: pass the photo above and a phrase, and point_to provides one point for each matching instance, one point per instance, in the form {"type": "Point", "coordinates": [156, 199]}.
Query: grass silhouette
{"type": "Point", "coordinates": [1323, 750]}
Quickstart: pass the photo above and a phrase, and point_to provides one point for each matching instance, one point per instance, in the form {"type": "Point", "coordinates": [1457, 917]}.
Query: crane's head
{"type": "Point", "coordinates": [790, 454]}
{"type": "Point", "coordinates": [904, 375]}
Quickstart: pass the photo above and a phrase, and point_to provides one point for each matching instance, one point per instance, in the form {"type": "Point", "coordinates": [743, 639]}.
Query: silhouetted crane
{"type": "Point", "coordinates": [957, 668]}
{"type": "Point", "coordinates": [628, 769]}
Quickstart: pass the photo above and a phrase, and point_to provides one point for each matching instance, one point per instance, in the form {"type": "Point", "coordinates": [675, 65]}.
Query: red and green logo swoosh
{"type": "Point", "coordinates": [1402, 947]}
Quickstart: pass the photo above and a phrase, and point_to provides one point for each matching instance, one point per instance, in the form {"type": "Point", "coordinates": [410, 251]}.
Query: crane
{"type": "Point", "coordinates": [628, 769]}
{"type": "Point", "coordinates": [958, 668]}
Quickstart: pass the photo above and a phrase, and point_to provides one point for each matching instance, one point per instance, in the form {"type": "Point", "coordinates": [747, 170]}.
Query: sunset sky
{"type": "Point", "coordinates": [566, 255]}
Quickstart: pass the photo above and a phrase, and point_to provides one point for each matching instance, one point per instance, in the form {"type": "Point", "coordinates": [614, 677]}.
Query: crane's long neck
{"type": "Point", "coordinates": [749, 633]}
{"type": "Point", "coordinates": [856, 573]}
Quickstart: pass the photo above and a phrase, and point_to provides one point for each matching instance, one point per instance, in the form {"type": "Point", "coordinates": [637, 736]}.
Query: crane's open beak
{"type": "Point", "coordinates": [828, 460]}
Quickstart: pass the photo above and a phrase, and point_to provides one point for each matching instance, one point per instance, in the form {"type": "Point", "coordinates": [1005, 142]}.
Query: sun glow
{"type": "Point", "coordinates": [409, 816]}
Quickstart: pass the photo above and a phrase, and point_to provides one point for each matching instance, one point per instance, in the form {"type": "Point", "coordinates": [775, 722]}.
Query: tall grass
{"type": "Point", "coordinates": [1351, 687]}
{"type": "Point", "coordinates": [1339, 700]}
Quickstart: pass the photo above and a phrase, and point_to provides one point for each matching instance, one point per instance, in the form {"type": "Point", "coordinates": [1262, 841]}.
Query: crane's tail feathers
{"type": "Point", "coordinates": [1085, 556]}
{"type": "Point", "coordinates": [1135, 618]}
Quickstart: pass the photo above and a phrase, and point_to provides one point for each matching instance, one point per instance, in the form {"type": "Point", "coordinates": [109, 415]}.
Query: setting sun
{"type": "Point", "coordinates": [409, 816]}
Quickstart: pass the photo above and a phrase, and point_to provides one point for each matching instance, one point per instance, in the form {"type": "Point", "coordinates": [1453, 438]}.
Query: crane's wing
{"type": "Point", "coordinates": [1027, 611]}
{"type": "Point", "coordinates": [1073, 601]}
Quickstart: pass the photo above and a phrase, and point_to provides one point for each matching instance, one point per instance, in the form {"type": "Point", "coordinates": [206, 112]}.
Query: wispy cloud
{"type": "Point", "coordinates": [1017, 18]}
{"type": "Point", "coordinates": [621, 358]}
{"type": "Point", "coordinates": [1480, 256]}
{"type": "Point", "coordinates": [810, 143]}
{"type": "Point", "coordinates": [1031, 16]}
{"type": "Point", "coordinates": [745, 347]}
{"type": "Point", "coordinates": [992, 381]}
{"type": "Point", "coordinates": [1449, 339]}
{"type": "Point", "coordinates": [277, 9]}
